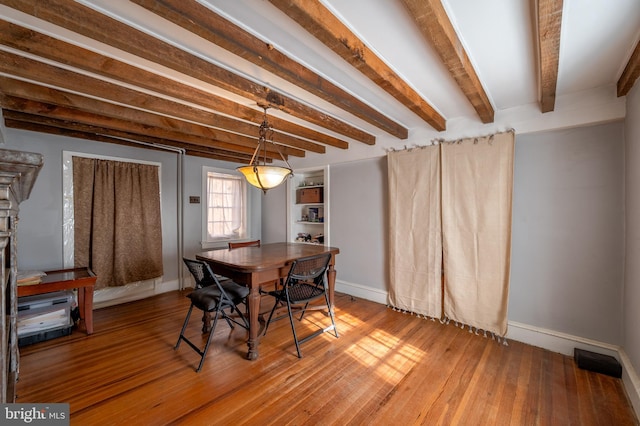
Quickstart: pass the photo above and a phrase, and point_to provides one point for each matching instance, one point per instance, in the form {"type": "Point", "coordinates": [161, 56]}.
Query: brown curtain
{"type": "Point", "coordinates": [117, 228]}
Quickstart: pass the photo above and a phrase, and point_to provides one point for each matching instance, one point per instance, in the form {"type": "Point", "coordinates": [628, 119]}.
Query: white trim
{"type": "Point", "coordinates": [357, 290]}
{"type": "Point", "coordinates": [536, 336]}
{"type": "Point", "coordinates": [631, 381]}
{"type": "Point", "coordinates": [557, 341]}
{"type": "Point", "coordinates": [111, 296]}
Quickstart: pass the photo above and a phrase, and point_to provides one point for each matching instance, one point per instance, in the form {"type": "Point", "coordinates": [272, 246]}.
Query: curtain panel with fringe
{"type": "Point", "coordinates": [415, 236]}
{"type": "Point", "coordinates": [473, 209]}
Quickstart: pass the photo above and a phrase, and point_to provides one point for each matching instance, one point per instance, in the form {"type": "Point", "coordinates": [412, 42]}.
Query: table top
{"type": "Point", "coordinates": [72, 274]}
{"type": "Point", "coordinates": [267, 256]}
{"type": "Point", "coordinates": [62, 279]}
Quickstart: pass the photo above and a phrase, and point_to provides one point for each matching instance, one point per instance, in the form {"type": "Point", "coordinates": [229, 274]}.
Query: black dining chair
{"type": "Point", "coordinates": [212, 296]}
{"type": "Point", "coordinates": [306, 282]}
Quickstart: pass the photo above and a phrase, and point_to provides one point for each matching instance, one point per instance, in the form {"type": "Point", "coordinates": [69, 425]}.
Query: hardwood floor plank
{"type": "Point", "coordinates": [386, 368]}
{"type": "Point", "coordinates": [506, 396]}
{"type": "Point", "coordinates": [422, 386]}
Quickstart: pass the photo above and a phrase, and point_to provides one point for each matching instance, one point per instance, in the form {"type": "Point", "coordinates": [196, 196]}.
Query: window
{"type": "Point", "coordinates": [225, 216]}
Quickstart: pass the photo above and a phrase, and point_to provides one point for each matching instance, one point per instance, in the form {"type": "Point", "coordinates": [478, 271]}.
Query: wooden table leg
{"type": "Point", "coordinates": [85, 302]}
{"type": "Point", "coordinates": [88, 309]}
{"type": "Point", "coordinates": [206, 322]}
{"type": "Point", "coordinates": [331, 281]}
{"type": "Point", "coordinates": [254, 325]}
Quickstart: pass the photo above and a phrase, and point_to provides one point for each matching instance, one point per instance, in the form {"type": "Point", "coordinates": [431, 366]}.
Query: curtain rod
{"type": "Point", "coordinates": [441, 141]}
{"type": "Point", "coordinates": [458, 140]}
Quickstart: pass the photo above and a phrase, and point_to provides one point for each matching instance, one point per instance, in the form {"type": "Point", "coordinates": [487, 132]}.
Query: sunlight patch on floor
{"type": "Point", "coordinates": [388, 356]}
{"type": "Point", "coordinates": [347, 322]}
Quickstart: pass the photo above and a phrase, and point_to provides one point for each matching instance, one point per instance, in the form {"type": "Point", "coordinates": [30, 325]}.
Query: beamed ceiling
{"type": "Point", "coordinates": [337, 73]}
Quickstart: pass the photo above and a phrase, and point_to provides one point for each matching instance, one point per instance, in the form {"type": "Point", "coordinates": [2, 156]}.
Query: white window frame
{"type": "Point", "coordinates": [245, 231]}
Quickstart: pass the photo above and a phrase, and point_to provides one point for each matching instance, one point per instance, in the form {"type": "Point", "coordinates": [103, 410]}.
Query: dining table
{"type": "Point", "coordinates": [261, 265]}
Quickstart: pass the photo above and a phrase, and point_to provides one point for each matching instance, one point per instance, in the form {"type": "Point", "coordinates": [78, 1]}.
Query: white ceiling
{"type": "Point", "coordinates": [597, 39]}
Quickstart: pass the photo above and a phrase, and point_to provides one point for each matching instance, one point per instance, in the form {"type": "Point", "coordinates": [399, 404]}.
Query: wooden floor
{"type": "Point", "coordinates": [386, 368]}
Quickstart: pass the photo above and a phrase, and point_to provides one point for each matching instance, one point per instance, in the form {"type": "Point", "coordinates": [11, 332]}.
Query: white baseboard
{"type": "Point", "coordinates": [543, 338]}
{"type": "Point", "coordinates": [556, 341]}
{"type": "Point", "coordinates": [631, 381]}
{"type": "Point", "coordinates": [357, 290]}
{"type": "Point", "coordinates": [111, 296]}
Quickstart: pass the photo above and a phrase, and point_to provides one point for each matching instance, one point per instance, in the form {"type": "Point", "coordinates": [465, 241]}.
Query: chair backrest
{"type": "Point", "coordinates": [238, 244]}
{"type": "Point", "coordinates": [201, 273]}
{"type": "Point", "coordinates": [309, 269]}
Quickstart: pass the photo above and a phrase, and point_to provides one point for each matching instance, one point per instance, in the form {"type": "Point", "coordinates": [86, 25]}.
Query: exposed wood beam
{"type": "Point", "coordinates": [74, 115]}
{"type": "Point", "coordinates": [436, 28]}
{"type": "Point", "coordinates": [549, 26]}
{"type": "Point", "coordinates": [77, 127]}
{"type": "Point", "coordinates": [631, 72]}
{"type": "Point", "coordinates": [69, 80]}
{"type": "Point", "coordinates": [200, 20]}
{"type": "Point", "coordinates": [25, 122]}
{"type": "Point", "coordinates": [30, 41]}
{"type": "Point", "coordinates": [30, 91]}
{"type": "Point", "coordinates": [88, 22]}
{"type": "Point", "coordinates": [320, 22]}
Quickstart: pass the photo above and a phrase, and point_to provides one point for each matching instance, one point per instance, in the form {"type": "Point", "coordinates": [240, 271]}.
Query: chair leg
{"type": "Point", "coordinates": [293, 328]}
{"type": "Point", "coordinates": [206, 347]}
{"type": "Point", "coordinates": [184, 327]}
{"type": "Point", "coordinates": [228, 321]}
{"type": "Point", "coordinates": [304, 310]}
{"type": "Point", "coordinates": [266, 326]}
{"type": "Point", "coordinates": [202, 353]}
{"type": "Point", "coordinates": [242, 317]}
{"type": "Point", "coordinates": [331, 315]}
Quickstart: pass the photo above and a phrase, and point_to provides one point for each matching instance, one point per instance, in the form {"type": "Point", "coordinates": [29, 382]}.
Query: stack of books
{"type": "Point", "coordinates": [29, 277]}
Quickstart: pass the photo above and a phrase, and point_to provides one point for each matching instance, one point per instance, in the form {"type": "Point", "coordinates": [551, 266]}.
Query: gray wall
{"type": "Point", "coordinates": [568, 236]}
{"type": "Point", "coordinates": [359, 221]}
{"type": "Point", "coordinates": [568, 232]}
{"type": "Point", "coordinates": [274, 217]}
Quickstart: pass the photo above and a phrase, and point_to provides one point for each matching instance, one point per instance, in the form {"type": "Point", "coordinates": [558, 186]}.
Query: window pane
{"type": "Point", "coordinates": [226, 206]}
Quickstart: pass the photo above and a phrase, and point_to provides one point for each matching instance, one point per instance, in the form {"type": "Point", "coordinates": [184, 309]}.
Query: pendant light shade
{"type": "Point", "coordinates": [264, 177]}
{"type": "Point", "coordinates": [258, 173]}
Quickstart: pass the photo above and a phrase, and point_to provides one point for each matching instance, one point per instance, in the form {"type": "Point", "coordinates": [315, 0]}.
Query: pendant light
{"type": "Point", "coordinates": [258, 173]}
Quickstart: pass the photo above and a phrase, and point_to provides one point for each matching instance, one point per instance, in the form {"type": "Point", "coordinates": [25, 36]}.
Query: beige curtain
{"type": "Point", "coordinates": [477, 185]}
{"type": "Point", "coordinates": [117, 228]}
{"type": "Point", "coordinates": [415, 241]}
